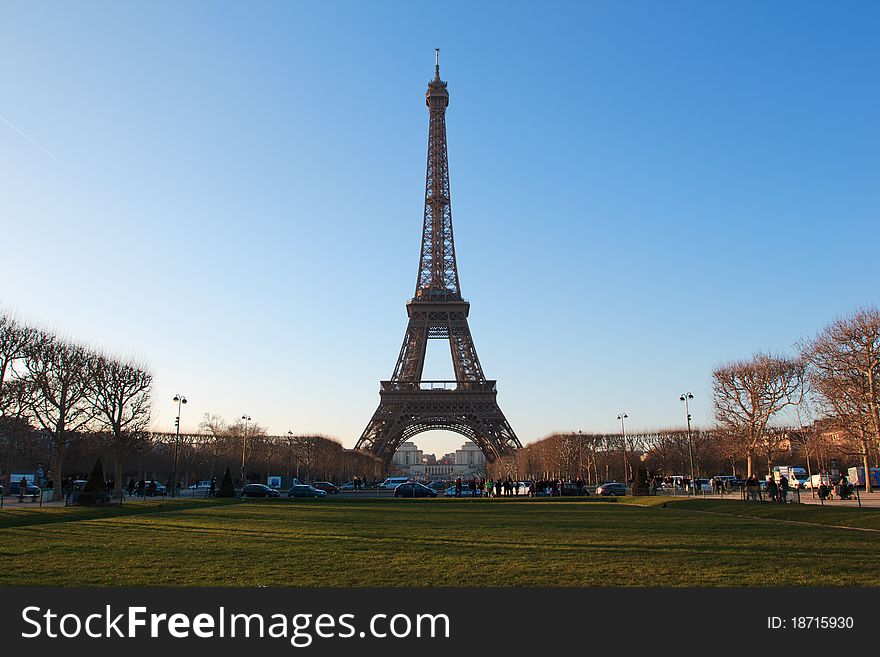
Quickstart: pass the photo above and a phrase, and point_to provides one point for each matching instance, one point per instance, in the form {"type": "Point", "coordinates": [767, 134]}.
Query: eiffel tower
{"type": "Point", "coordinates": [409, 405]}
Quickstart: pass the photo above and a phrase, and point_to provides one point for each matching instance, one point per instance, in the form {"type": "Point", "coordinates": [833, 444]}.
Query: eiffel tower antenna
{"type": "Point", "coordinates": [408, 404]}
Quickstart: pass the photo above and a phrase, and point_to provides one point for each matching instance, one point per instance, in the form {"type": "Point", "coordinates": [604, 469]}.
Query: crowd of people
{"type": "Point", "coordinates": [842, 489]}
{"type": "Point", "coordinates": [479, 487]}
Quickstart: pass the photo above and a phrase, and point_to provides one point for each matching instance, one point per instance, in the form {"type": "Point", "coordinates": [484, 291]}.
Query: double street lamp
{"type": "Point", "coordinates": [180, 399]}
{"type": "Point", "coordinates": [686, 397]}
{"type": "Point", "coordinates": [622, 417]}
{"type": "Point", "coordinates": [246, 418]}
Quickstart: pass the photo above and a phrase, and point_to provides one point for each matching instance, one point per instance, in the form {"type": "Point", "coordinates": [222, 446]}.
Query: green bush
{"type": "Point", "coordinates": [226, 487]}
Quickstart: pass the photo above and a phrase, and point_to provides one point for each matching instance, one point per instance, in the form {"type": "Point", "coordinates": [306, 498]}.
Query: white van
{"type": "Point", "coordinates": [797, 477]}
{"type": "Point", "coordinates": [393, 482]}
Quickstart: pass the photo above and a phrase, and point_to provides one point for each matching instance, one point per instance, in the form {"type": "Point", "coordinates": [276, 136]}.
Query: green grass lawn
{"type": "Point", "coordinates": [653, 542]}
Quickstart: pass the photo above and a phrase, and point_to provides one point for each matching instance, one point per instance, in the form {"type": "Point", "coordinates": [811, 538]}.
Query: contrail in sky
{"type": "Point", "coordinates": [57, 159]}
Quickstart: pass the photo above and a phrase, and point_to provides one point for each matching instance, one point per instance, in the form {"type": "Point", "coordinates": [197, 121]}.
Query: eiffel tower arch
{"type": "Point", "coordinates": [409, 405]}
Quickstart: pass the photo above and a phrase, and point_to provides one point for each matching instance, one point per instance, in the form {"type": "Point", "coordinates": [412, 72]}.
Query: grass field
{"type": "Point", "coordinates": [647, 542]}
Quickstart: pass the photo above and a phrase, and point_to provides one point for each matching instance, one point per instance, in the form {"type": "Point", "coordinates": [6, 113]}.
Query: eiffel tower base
{"type": "Point", "coordinates": [465, 407]}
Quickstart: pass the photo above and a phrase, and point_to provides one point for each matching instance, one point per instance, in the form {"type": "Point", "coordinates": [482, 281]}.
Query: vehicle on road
{"type": "Point", "coordinates": [570, 488]}
{"type": "Point", "coordinates": [326, 486]}
{"type": "Point", "coordinates": [465, 492]}
{"type": "Point", "coordinates": [440, 485]}
{"type": "Point", "coordinates": [856, 476]}
{"type": "Point", "coordinates": [29, 490]}
{"type": "Point", "coordinates": [200, 485]}
{"type": "Point", "coordinates": [817, 480]}
{"type": "Point", "coordinates": [797, 477]}
{"type": "Point", "coordinates": [414, 489]}
{"type": "Point", "coordinates": [154, 489]}
{"type": "Point", "coordinates": [393, 482]}
{"type": "Point", "coordinates": [675, 481]}
{"type": "Point", "coordinates": [702, 486]}
{"type": "Point", "coordinates": [258, 490]}
{"type": "Point", "coordinates": [305, 490]}
{"type": "Point", "coordinates": [612, 488]}
{"type": "Point", "coordinates": [730, 482]}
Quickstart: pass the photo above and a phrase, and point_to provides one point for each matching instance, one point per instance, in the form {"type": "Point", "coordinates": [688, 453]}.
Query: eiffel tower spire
{"type": "Point", "coordinates": [438, 273]}
{"type": "Point", "coordinates": [409, 405]}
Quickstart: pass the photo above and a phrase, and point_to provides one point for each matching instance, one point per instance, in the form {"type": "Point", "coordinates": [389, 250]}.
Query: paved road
{"type": "Point", "coordinates": [868, 500]}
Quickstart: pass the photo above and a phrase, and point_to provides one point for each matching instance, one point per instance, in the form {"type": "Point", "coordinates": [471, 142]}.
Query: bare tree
{"type": "Point", "coordinates": [845, 371]}
{"type": "Point", "coordinates": [14, 340]}
{"type": "Point", "coordinates": [748, 394]}
{"type": "Point", "coordinates": [121, 396]}
{"type": "Point", "coordinates": [59, 384]}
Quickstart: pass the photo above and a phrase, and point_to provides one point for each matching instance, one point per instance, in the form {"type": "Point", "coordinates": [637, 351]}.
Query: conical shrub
{"type": "Point", "coordinates": [226, 487]}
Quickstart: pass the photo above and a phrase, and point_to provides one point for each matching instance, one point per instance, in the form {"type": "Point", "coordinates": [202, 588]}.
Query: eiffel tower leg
{"type": "Point", "coordinates": [411, 361]}
{"type": "Point", "coordinates": [464, 353]}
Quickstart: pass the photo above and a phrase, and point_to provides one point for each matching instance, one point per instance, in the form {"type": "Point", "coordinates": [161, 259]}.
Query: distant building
{"type": "Point", "coordinates": [471, 455]}
{"type": "Point", "coordinates": [467, 462]}
{"type": "Point", "coordinates": [406, 455]}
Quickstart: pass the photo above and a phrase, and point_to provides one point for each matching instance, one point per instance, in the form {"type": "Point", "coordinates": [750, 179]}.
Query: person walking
{"type": "Point", "coordinates": [772, 490]}
{"type": "Point", "coordinates": [783, 489]}
{"type": "Point", "coordinates": [458, 487]}
{"type": "Point", "coordinates": [22, 488]}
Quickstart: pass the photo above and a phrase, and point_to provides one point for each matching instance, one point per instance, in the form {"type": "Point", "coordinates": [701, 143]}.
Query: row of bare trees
{"type": "Point", "coordinates": [817, 407]}
{"type": "Point", "coordinates": [309, 457]}
{"type": "Point", "coordinates": [835, 375]}
{"type": "Point", "coordinates": [595, 457]}
{"type": "Point", "coordinates": [56, 394]}
{"type": "Point", "coordinates": [63, 387]}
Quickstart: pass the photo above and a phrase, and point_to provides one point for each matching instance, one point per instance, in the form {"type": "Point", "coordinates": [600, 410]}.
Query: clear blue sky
{"type": "Point", "coordinates": [641, 190]}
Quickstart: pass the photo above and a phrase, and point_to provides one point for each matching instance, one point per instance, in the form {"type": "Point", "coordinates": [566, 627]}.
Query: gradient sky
{"type": "Point", "coordinates": [641, 191]}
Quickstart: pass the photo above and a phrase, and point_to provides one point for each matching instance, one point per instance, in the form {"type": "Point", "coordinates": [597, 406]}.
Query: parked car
{"type": "Point", "coordinates": [326, 486]}
{"type": "Point", "coordinates": [730, 482]}
{"type": "Point", "coordinates": [414, 489]}
{"type": "Point", "coordinates": [393, 482]}
{"type": "Point", "coordinates": [611, 488]}
{"type": "Point", "coordinates": [258, 490]}
{"type": "Point", "coordinates": [155, 489]}
{"type": "Point", "coordinates": [305, 490]}
{"type": "Point", "coordinates": [570, 488]}
{"type": "Point", "coordinates": [348, 485]}
{"type": "Point", "coordinates": [440, 485]}
{"type": "Point", "coordinates": [29, 490]}
{"type": "Point", "coordinates": [702, 486]}
{"type": "Point", "coordinates": [465, 492]}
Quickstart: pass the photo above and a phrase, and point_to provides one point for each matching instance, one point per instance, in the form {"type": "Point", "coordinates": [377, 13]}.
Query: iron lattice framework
{"type": "Point", "coordinates": [409, 405]}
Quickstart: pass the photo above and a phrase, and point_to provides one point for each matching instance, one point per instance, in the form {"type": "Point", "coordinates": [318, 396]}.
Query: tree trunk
{"type": "Point", "coordinates": [750, 458]}
{"type": "Point", "coordinates": [868, 487]}
{"type": "Point", "coordinates": [57, 456]}
{"type": "Point", "coordinates": [117, 474]}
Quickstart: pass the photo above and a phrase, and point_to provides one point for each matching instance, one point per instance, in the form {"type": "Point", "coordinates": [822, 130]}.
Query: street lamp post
{"type": "Point", "coordinates": [685, 397]}
{"type": "Point", "coordinates": [246, 418]}
{"type": "Point", "coordinates": [622, 417]}
{"type": "Point", "coordinates": [180, 399]}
